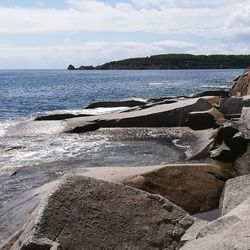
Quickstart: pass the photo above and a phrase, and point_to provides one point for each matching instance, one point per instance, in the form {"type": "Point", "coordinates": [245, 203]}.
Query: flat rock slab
{"type": "Point", "coordinates": [235, 192]}
{"type": "Point", "coordinates": [164, 115]}
{"type": "Point", "coordinates": [194, 187]}
{"type": "Point", "coordinates": [15, 215]}
{"type": "Point", "coordinates": [85, 213]}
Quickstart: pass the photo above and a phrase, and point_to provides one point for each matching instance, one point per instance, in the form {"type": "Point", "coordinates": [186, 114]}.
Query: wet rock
{"type": "Point", "coordinates": [113, 104]}
{"type": "Point", "coordinates": [85, 213]}
{"type": "Point", "coordinates": [235, 192]}
{"type": "Point", "coordinates": [165, 115]}
{"type": "Point", "coordinates": [15, 215]}
{"type": "Point", "coordinates": [180, 183]}
{"type": "Point", "coordinates": [221, 93]}
{"type": "Point", "coordinates": [56, 117]}
{"type": "Point", "coordinates": [242, 85]}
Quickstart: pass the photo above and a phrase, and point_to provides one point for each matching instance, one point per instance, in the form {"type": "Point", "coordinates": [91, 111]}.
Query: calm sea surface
{"type": "Point", "coordinates": [38, 158]}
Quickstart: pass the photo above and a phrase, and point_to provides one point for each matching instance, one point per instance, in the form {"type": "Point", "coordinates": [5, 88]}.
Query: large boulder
{"type": "Point", "coordinates": [193, 187]}
{"type": "Point", "coordinates": [235, 192]}
{"type": "Point", "coordinates": [85, 213]}
{"type": "Point", "coordinates": [228, 232]}
{"type": "Point", "coordinates": [16, 214]}
{"type": "Point", "coordinates": [242, 164]}
{"type": "Point", "coordinates": [205, 119]}
{"type": "Point", "coordinates": [232, 107]}
{"type": "Point", "coordinates": [164, 115]}
{"type": "Point", "coordinates": [242, 85]}
{"type": "Point", "coordinates": [229, 143]}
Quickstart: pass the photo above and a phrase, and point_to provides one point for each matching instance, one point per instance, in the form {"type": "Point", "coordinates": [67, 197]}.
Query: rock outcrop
{"type": "Point", "coordinates": [235, 192]}
{"type": "Point", "coordinates": [242, 85]}
{"type": "Point", "coordinates": [85, 213]}
{"type": "Point", "coordinates": [230, 231]}
{"type": "Point", "coordinates": [165, 115]}
{"type": "Point", "coordinates": [71, 67]}
{"type": "Point", "coordinates": [232, 107]}
{"type": "Point", "coordinates": [180, 183]}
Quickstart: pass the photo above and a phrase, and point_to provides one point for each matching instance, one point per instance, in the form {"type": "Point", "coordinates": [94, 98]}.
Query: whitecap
{"type": "Point", "coordinates": [215, 86]}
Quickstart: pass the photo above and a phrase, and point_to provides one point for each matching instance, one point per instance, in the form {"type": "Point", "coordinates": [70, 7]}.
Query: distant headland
{"type": "Point", "coordinates": [174, 61]}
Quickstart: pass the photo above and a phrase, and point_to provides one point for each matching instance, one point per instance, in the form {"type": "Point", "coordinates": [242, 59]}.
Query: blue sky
{"type": "Point", "coordinates": [53, 34]}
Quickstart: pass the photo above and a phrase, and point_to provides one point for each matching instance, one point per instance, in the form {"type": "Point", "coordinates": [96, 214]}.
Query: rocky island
{"type": "Point", "coordinates": [201, 203]}
{"type": "Point", "coordinates": [174, 61]}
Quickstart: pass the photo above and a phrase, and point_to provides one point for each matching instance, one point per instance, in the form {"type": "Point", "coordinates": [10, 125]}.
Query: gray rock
{"type": "Point", "coordinates": [242, 164]}
{"type": "Point", "coordinates": [242, 85]}
{"type": "Point", "coordinates": [193, 231]}
{"type": "Point", "coordinates": [228, 232]}
{"type": "Point", "coordinates": [85, 213]}
{"type": "Point", "coordinates": [165, 115]}
{"type": "Point", "coordinates": [15, 214]}
{"type": "Point", "coordinates": [184, 184]}
{"type": "Point", "coordinates": [235, 192]}
{"type": "Point", "coordinates": [232, 107]}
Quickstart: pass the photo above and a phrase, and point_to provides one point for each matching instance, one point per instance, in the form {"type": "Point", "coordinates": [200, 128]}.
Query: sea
{"type": "Point", "coordinates": [29, 159]}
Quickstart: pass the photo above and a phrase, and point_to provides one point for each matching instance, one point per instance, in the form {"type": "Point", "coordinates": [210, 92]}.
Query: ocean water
{"type": "Point", "coordinates": [29, 159]}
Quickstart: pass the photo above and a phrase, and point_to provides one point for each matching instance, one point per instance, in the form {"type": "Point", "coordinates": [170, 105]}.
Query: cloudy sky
{"type": "Point", "coordinates": [55, 33]}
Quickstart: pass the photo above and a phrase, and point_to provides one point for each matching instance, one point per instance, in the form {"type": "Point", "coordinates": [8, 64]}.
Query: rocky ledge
{"type": "Point", "coordinates": [155, 207]}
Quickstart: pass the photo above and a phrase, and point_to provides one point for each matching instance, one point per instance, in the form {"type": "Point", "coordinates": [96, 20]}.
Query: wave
{"type": "Point", "coordinates": [177, 144]}
{"type": "Point", "coordinates": [215, 86]}
{"type": "Point", "coordinates": [96, 111]}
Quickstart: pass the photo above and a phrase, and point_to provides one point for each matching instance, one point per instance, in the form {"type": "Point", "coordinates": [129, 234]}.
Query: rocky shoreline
{"type": "Point", "coordinates": [150, 207]}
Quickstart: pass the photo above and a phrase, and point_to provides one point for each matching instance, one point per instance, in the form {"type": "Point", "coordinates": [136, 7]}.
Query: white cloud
{"type": "Point", "coordinates": [86, 53]}
{"type": "Point", "coordinates": [61, 55]}
{"type": "Point", "coordinates": [179, 17]}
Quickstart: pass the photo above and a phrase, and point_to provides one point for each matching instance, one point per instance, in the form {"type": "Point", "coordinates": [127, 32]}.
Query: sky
{"type": "Point", "coordinates": [47, 34]}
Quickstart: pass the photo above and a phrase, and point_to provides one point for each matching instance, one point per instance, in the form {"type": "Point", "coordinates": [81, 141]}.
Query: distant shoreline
{"type": "Point", "coordinates": [174, 62]}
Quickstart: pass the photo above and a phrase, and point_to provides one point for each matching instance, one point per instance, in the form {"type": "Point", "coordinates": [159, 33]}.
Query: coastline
{"type": "Point", "coordinates": [217, 151]}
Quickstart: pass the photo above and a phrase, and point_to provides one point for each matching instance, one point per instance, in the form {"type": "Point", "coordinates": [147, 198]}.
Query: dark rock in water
{"type": "Point", "coordinates": [221, 93]}
{"type": "Point", "coordinates": [71, 67]}
{"type": "Point", "coordinates": [114, 104]}
{"type": "Point", "coordinates": [242, 85]}
{"type": "Point", "coordinates": [164, 115]}
{"type": "Point", "coordinates": [57, 117]}
{"type": "Point", "coordinates": [85, 213]}
{"type": "Point", "coordinates": [86, 128]}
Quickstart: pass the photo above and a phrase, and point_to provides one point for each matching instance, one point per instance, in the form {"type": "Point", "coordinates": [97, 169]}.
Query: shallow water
{"type": "Point", "coordinates": [32, 153]}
